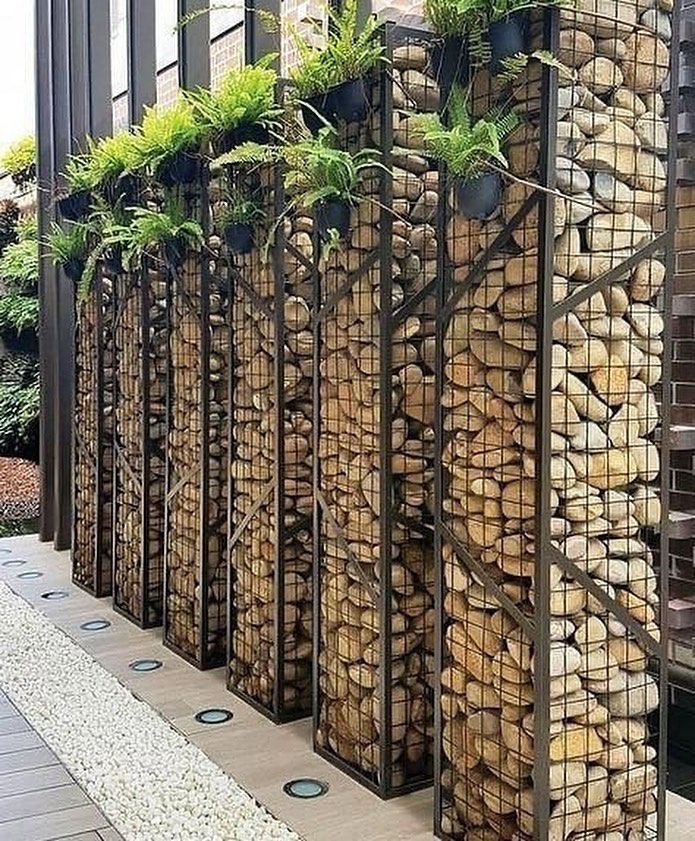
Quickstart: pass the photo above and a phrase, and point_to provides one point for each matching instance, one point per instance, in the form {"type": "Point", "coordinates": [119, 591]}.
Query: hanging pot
{"type": "Point", "coordinates": [239, 237]}
{"type": "Point", "coordinates": [175, 252]}
{"type": "Point", "coordinates": [180, 168]}
{"type": "Point", "coordinates": [74, 268]}
{"type": "Point", "coordinates": [113, 260]}
{"type": "Point", "coordinates": [449, 62]}
{"type": "Point", "coordinates": [349, 101]}
{"type": "Point", "coordinates": [249, 133]}
{"type": "Point", "coordinates": [479, 197]}
{"type": "Point", "coordinates": [507, 38]}
{"type": "Point", "coordinates": [318, 103]}
{"type": "Point", "coordinates": [333, 213]}
{"type": "Point", "coordinates": [76, 205]}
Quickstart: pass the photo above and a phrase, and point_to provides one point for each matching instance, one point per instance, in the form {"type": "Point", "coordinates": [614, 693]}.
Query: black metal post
{"type": "Point", "coordinates": [258, 41]}
{"type": "Point", "coordinates": [194, 45]}
{"type": "Point", "coordinates": [100, 105]}
{"type": "Point", "coordinates": [142, 58]}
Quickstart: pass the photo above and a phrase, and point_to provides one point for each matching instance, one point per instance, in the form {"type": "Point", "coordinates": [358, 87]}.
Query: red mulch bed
{"type": "Point", "coordinates": [19, 489]}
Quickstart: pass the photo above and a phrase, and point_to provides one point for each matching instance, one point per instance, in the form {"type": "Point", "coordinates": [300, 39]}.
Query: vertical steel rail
{"type": "Point", "coordinates": [386, 491]}
{"type": "Point", "coordinates": [257, 40]}
{"type": "Point", "coordinates": [543, 422]}
{"type": "Point", "coordinates": [64, 312]}
{"type": "Point", "coordinates": [146, 361]}
{"type": "Point", "coordinates": [142, 57]}
{"type": "Point", "coordinates": [665, 438]}
{"type": "Point", "coordinates": [204, 453]}
{"type": "Point", "coordinates": [48, 281]}
{"type": "Point", "coordinates": [194, 45]}
{"type": "Point", "coordinates": [79, 71]}
{"type": "Point", "coordinates": [100, 94]}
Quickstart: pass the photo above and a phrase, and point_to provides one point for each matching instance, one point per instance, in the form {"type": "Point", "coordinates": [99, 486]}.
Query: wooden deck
{"type": "Point", "coordinates": [39, 799]}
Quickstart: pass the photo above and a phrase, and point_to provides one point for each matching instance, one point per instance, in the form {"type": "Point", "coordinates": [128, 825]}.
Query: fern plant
{"type": "Point", "coordinates": [451, 19]}
{"type": "Point", "coordinates": [154, 230]}
{"type": "Point", "coordinates": [467, 147]}
{"type": "Point", "coordinates": [243, 106]}
{"type": "Point", "coordinates": [19, 266]}
{"type": "Point", "coordinates": [19, 416]}
{"type": "Point", "coordinates": [164, 136]}
{"type": "Point", "coordinates": [350, 52]}
{"type": "Point", "coordinates": [240, 209]}
{"type": "Point", "coordinates": [20, 161]}
{"type": "Point", "coordinates": [9, 220]}
{"type": "Point", "coordinates": [111, 157]}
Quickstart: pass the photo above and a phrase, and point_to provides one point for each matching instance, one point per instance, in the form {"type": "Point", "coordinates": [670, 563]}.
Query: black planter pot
{"type": "Point", "coordinates": [252, 133]}
{"type": "Point", "coordinates": [449, 62]}
{"type": "Point", "coordinates": [239, 237]}
{"type": "Point", "coordinates": [181, 168]}
{"type": "Point", "coordinates": [334, 213]}
{"type": "Point", "coordinates": [507, 38]}
{"type": "Point", "coordinates": [317, 103]}
{"type": "Point", "coordinates": [175, 253]}
{"type": "Point", "coordinates": [349, 101]}
{"type": "Point", "coordinates": [74, 269]}
{"type": "Point", "coordinates": [75, 206]}
{"type": "Point", "coordinates": [480, 197]}
{"type": "Point", "coordinates": [124, 189]}
{"type": "Point", "coordinates": [113, 260]}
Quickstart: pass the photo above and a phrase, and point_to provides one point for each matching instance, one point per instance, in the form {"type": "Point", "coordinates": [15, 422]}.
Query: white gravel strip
{"type": "Point", "coordinates": [150, 782]}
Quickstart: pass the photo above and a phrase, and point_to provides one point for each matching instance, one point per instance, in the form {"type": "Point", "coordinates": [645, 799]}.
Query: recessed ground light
{"type": "Point", "coordinates": [305, 788]}
{"type": "Point", "coordinates": [14, 562]}
{"type": "Point", "coordinates": [32, 573]}
{"type": "Point", "coordinates": [95, 625]}
{"type": "Point", "coordinates": [145, 665]}
{"type": "Point", "coordinates": [53, 595]}
{"type": "Point", "coordinates": [5, 551]}
{"type": "Point", "coordinates": [214, 716]}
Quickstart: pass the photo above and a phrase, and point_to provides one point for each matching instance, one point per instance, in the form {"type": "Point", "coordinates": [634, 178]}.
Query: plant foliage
{"type": "Point", "coordinates": [67, 244]}
{"type": "Point", "coordinates": [9, 220]}
{"type": "Point", "coordinates": [78, 173]}
{"type": "Point", "coordinates": [19, 416]}
{"type": "Point", "coordinates": [451, 19]}
{"type": "Point", "coordinates": [28, 228]}
{"type": "Point", "coordinates": [245, 97]}
{"type": "Point", "coordinates": [317, 170]}
{"type": "Point", "coordinates": [18, 313]}
{"type": "Point", "coordinates": [240, 208]}
{"type": "Point", "coordinates": [20, 161]}
{"type": "Point", "coordinates": [110, 157]}
{"type": "Point", "coordinates": [164, 133]}
{"type": "Point", "coordinates": [152, 229]}
{"type": "Point", "coordinates": [349, 53]}
{"type": "Point", "coordinates": [19, 266]}
{"type": "Point", "coordinates": [467, 148]}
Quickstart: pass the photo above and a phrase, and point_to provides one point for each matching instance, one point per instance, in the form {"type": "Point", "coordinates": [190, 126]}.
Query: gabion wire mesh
{"type": "Point", "coordinates": [270, 643]}
{"type": "Point", "coordinates": [196, 498]}
{"type": "Point", "coordinates": [374, 340]}
{"type": "Point", "coordinates": [552, 342]}
{"type": "Point", "coordinates": [93, 439]}
{"type": "Point", "coordinates": [139, 442]}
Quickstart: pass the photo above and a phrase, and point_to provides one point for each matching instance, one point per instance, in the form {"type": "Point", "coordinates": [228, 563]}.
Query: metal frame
{"type": "Point", "coordinates": [142, 57]}
{"type": "Point", "coordinates": [198, 203]}
{"type": "Point", "coordinates": [149, 614]}
{"type": "Point", "coordinates": [537, 625]}
{"type": "Point", "coordinates": [390, 318]}
{"type": "Point", "coordinates": [242, 292]}
{"type": "Point", "coordinates": [194, 46]}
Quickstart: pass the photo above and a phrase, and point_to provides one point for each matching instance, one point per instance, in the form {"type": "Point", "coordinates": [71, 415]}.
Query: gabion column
{"type": "Point", "coordinates": [139, 439]}
{"type": "Point", "coordinates": [270, 500]}
{"type": "Point", "coordinates": [196, 499]}
{"type": "Point", "coordinates": [553, 344]}
{"type": "Point", "coordinates": [93, 439]}
{"type": "Point", "coordinates": [374, 356]}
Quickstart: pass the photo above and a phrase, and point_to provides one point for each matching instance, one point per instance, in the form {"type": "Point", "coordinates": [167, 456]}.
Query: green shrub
{"type": "Point", "coordinates": [18, 313]}
{"type": "Point", "coordinates": [19, 266]}
{"type": "Point", "coordinates": [9, 219]}
{"type": "Point", "coordinates": [28, 228]}
{"type": "Point", "coordinates": [20, 161]}
{"type": "Point", "coordinates": [19, 416]}
{"type": "Point", "coordinates": [78, 173]}
{"type": "Point", "coordinates": [110, 157]}
{"type": "Point", "coordinates": [67, 243]}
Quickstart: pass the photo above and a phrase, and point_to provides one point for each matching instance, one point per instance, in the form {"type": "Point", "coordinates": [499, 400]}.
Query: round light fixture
{"type": "Point", "coordinates": [145, 665]}
{"type": "Point", "coordinates": [214, 716]}
{"type": "Point", "coordinates": [14, 562]}
{"type": "Point", "coordinates": [54, 595]}
{"type": "Point", "coordinates": [305, 788]}
{"type": "Point", "coordinates": [95, 625]}
{"type": "Point", "coordinates": [29, 574]}
{"type": "Point", "coordinates": [4, 551]}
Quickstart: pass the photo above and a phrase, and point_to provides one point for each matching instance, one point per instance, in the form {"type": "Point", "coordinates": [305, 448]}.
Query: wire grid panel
{"type": "Point", "coordinates": [196, 505]}
{"type": "Point", "coordinates": [374, 357]}
{"type": "Point", "coordinates": [139, 437]}
{"type": "Point", "coordinates": [93, 437]}
{"type": "Point", "coordinates": [553, 343]}
{"type": "Point", "coordinates": [270, 467]}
